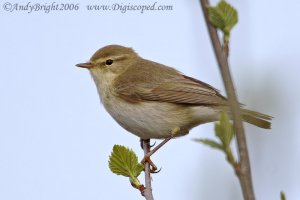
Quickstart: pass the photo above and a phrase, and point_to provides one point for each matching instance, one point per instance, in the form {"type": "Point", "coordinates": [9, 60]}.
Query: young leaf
{"type": "Point", "coordinates": [216, 17]}
{"type": "Point", "coordinates": [210, 143]}
{"type": "Point", "coordinates": [230, 15]}
{"type": "Point", "coordinates": [224, 17]}
{"type": "Point", "coordinates": [123, 161]}
{"type": "Point", "coordinates": [282, 196]}
{"type": "Point", "coordinates": [224, 129]}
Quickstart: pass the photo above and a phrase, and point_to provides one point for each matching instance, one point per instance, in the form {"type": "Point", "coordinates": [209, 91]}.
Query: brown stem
{"type": "Point", "coordinates": [244, 174]}
{"type": "Point", "coordinates": [148, 190]}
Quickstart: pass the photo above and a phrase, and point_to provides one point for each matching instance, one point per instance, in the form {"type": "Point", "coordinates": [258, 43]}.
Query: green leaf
{"type": "Point", "coordinates": [123, 161]}
{"type": "Point", "coordinates": [224, 17]}
{"type": "Point", "coordinates": [216, 17]}
{"type": "Point", "coordinates": [230, 14]}
{"type": "Point", "coordinates": [210, 143]}
{"type": "Point", "coordinates": [224, 129]}
{"type": "Point", "coordinates": [282, 196]}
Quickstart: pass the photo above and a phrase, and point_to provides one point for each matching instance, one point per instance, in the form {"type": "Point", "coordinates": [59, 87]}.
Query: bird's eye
{"type": "Point", "coordinates": [109, 62]}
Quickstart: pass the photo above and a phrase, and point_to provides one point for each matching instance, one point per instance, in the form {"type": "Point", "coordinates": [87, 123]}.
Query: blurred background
{"type": "Point", "coordinates": [55, 137]}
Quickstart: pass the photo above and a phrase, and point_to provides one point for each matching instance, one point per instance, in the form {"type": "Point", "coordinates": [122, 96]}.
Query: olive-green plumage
{"type": "Point", "coordinates": [150, 100]}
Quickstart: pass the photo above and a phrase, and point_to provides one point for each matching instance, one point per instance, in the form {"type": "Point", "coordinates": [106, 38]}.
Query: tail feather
{"type": "Point", "coordinates": [256, 118]}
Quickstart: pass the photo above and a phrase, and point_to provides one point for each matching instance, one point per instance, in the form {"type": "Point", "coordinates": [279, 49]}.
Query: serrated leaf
{"type": "Point", "coordinates": [229, 13]}
{"type": "Point", "coordinates": [216, 17]}
{"type": "Point", "coordinates": [210, 143]}
{"type": "Point", "coordinates": [224, 17]}
{"type": "Point", "coordinates": [224, 129]}
{"type": "Point", "coordinates": [123, 161]}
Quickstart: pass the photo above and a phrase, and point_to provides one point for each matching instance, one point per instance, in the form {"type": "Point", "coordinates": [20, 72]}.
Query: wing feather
{"type": "Point", "coordinates": [147, 83]}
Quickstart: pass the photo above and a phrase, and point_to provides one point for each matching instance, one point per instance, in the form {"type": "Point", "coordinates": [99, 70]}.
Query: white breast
{"type": "Point", "coordinates": [153, 119]}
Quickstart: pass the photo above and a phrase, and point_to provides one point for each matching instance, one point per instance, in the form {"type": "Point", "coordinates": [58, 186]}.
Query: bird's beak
{"type": "Point", "coordinates": [87, 65]}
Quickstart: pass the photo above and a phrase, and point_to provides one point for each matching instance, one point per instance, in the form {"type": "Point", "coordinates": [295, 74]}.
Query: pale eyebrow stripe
{"type": "Point", "coordinates": [99, 60]}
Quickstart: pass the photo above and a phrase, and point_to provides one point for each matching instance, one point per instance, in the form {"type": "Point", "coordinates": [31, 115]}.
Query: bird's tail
{"type": "Point", "coordinates": [256, 118]}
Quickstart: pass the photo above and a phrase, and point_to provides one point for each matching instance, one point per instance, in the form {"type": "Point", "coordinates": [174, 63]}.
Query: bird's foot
{"type": "Point", "coordinates": [142, 142]}
{"type": "Point", "coordinates": [153, 168]}
{"type": "Point", "coordinates": [146, 158]}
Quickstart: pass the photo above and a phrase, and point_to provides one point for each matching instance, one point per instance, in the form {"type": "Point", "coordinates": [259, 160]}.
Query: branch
{"type": "Point", "coordinates": [244, 172]}
{"type": "Point", "coordinates": [148, 190]}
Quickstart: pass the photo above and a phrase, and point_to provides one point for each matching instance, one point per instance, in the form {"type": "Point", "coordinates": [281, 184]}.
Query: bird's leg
{"type": "Point", "coordinates": [153, 167]}
{"type": "Point", "coordinates": [142, 141]}
{"type": "Point", "coordinates": [151, 152]}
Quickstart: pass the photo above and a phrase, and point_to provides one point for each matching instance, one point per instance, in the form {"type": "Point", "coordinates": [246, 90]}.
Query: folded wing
{"type": "Point", "coordinates": [155, 83]}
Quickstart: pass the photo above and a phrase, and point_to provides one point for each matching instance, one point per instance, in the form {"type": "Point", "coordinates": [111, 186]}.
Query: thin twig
{"type": "Point", "coordinates": [148, 190]}
{"type": "Point", "coordinates": [159, 146]}
{"type": "Point", "coordinates": [244, 171]}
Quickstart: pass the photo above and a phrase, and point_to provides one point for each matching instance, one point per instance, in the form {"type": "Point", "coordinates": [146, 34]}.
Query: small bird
{"type": "Point", "coordinates": [154, 101]}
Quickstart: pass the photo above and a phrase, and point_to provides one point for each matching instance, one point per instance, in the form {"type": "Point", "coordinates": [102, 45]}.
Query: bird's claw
{"type": "Point", "coordinates": [155, 171]}
{"type": "Point", "coordinates": [152, 145]}
{"type": "Point", "coordinates": [153, 168]}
